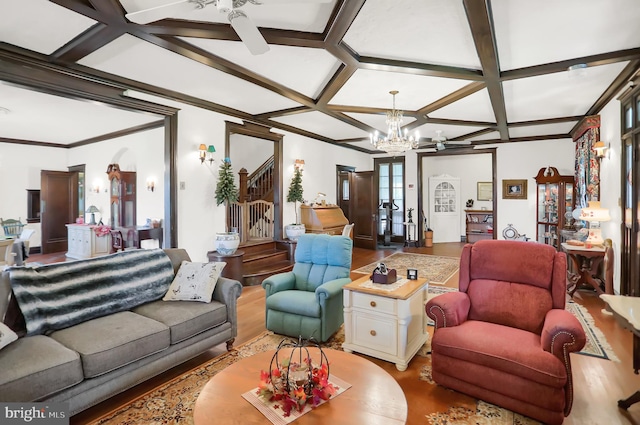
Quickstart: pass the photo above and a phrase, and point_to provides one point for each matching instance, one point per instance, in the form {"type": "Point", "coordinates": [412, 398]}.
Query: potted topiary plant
{"type": "Point", "coordinates": [226, 192]}
{"type": "Point", "coordinates": [296, 229]}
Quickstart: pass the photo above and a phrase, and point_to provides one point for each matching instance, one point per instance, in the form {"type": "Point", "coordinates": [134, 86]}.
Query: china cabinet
{"type": "Point", "coordinates": [554, 198]}
{"type": "Point", "coordinates": [122, 190]}
{"type": "Point", "coordinates": [479, 225]}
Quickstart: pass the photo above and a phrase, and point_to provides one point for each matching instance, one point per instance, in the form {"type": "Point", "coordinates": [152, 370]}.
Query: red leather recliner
{"type": "Point", "coordinates": [505, 337]}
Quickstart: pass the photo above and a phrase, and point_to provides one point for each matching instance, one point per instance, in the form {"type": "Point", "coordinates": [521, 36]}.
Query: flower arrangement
{"type": "Point", "coordinates": [291, 384]}
{"type": "Point", "coordinates": [102, 230]}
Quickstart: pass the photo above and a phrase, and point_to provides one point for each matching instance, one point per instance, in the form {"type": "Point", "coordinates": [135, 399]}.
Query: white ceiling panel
{"type": "Point", "coordinates": [378, 121]}
{"type": "Point", "coordinates": [295, 16]}
{"type": "Point", "coordinates": [414, 31]}
{"type": "Point", "coordinates": [448, 131]}
{"type": "Point", "coordinates": [558, 94]}
{"type": "Point", "coordinates": [39, 25]}
{"type": "Point", "coordinates": [138, 60]}
{"type": "Point", "coordinates": [535, 32]}
{"type": "Point", "coordinates": [52, 113]}
{"type": "Point", "coordinates": [371, 88]}
{"type": "Point", "coordinates": [302, 69]}
{"type": "Point", "coordinates": [475, 107]}
{"type": "Point", "coordinates": [319, 123]}
{"type": "Point", "coordinates": [488, 136]}
{"type": "Point", "coordinates": [540, 130]}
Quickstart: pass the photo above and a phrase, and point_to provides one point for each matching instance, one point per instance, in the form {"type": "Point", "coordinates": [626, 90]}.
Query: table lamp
{"type": "Point", "coordinates": [594, 215]}
{"type": "Point", "coordinates": [93, 210]}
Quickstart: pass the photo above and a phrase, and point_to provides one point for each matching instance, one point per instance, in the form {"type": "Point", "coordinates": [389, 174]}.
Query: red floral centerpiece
{"type": "Point", "coordinates": [294, 380]}
{"type": "Point", "coordinates": [102, 230]}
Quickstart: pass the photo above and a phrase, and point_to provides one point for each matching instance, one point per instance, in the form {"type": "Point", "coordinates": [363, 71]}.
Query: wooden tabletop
{"type": "Point", "coordinates": [404, 292]}
{"type": "Point", "coordinates": [374, 398]}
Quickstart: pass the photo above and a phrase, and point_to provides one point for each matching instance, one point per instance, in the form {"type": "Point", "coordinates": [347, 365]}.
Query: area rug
{"type": "Point", "coordinates": [434, 268]}
{"type": "Point", "coordinates": [596, 346]}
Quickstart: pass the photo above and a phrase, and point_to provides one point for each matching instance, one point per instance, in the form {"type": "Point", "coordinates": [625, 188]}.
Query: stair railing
{"type": "Point", "coordinates": [254, 220]}
{"type": "Point", "coordinates": [259, 184]}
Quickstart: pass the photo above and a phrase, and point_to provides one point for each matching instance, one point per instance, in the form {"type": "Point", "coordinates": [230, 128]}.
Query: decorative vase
{"type": "Point", "coordinates": [227, 242]}
{"type": "Point", "coordinates": [294, 231]}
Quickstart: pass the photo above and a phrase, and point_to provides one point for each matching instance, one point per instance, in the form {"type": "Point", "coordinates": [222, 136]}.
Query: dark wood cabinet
{"type": "Point", "coordinates": [33, 206]}
{"type": "Point", "coordinates": [122, 190]}
{"type": "Point", "coordinates": [554, 201]}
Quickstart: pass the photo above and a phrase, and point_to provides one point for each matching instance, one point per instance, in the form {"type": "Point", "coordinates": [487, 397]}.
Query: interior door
{"type": "Point", "coordinates": [364, 208]}
{"type": "Point", "coordinates": [59, 200]}
{"type": "Point", "coordinates": [344, 189]}
{"type": "Point", "coordinates": [444, 208]}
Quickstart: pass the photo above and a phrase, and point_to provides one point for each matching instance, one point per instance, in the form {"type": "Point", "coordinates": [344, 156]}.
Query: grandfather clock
{"type": "Point", "coordinates": [122, 189]}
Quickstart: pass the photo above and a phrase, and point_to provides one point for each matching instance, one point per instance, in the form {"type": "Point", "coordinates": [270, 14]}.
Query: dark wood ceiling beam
{"type": "Point", "coordinates": [358, 109]}
{"type": "Point", "coordinates": [561, 66]}
{"type": "Point", "coordinates": [473, 134]}
{"type": "Point", "coordinates": [523, 139]}
{"type": "Point", "coordinates": [337, 81]}
{"type": "Point", "coordinates": [119, 133]}
{"type": "Point", "coordinates": [33, 143]}
{"type": "Point", "coordinates": [81, 7]}
{"type": "Point", "coordinates": [446, 121]}
{"type": "Point", "coordinates": [465, 91]}
{"type": "Point", "coordinates": [111, 10]}
{"type": "Point", "coordinates": [416, 68]}
{"type": "Point", "coordinates": [92, 39]}
{"type": "Point", "coordinates": [481, 25]}
{"type": "Point", "coordinates": [347, 13]}
{"type": "Point", "coordinates": [284, 112]}
{"type": "Point", "coordinates": [545, 121]}
{"type": "Point", "coordinates": [614, 88]}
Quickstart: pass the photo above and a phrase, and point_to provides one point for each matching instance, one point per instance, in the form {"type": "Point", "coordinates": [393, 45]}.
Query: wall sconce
{"type": "Point", "coordinates": [151, 184]}
{"type": "Point", "coordinates": [601, 149]}
{"type": "Point", "coordinates": [96, 187]}
{"type": "Point", "coordinates": [206, 152]}
{"type": "Point", "coordinates": [299, 164]}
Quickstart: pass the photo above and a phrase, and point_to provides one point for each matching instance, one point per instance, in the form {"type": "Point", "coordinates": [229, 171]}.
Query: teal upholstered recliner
{"type": "Point", "coordinates": [307, 301]}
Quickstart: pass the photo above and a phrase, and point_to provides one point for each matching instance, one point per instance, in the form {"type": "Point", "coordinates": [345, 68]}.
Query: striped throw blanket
{"type": "Point", "coordinates": [57, 296]}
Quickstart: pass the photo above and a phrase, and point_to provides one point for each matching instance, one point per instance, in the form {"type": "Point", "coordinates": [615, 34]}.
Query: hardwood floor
{"type": "Point", "coordinates": [598, 383]}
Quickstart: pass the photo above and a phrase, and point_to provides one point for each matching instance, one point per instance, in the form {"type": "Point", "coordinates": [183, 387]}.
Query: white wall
{"type": "Point", "coordinates": [471, 169]}
{"type": "Point", "coordinates": [610, 169]}
{"type": "Point", "coordinates": [20, 167]}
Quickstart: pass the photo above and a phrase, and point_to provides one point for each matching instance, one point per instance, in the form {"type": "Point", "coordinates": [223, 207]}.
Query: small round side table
{"type": "Point", "coordinates": [233, 269]}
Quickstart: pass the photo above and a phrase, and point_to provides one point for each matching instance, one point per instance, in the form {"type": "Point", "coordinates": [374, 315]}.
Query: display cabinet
{"type": "Point", "coordinates": [479, 225]}
{"type": "Point", "coordinates": [122, 188]}
{"type": "Point", "coordinates": [555, 200]}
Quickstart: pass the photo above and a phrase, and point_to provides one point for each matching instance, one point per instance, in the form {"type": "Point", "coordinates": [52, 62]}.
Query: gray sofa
{"type": "Point", "coordinates": [89, 362]}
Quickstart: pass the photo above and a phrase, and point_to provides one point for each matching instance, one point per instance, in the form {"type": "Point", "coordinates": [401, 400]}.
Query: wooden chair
{"type": "Point", "coordinates": [118, 242]}
{"type": "Point", "coordinates": [12, 227]}
{"type": "Point", "coordinates": [348, 228]}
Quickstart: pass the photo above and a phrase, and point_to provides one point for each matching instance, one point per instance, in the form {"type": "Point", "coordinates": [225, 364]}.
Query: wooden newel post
{"type": "Point", "coordinates": [243, 195]}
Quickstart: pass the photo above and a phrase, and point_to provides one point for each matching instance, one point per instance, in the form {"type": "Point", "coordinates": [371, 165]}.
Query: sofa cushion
{"type": "Point", "coordinates": [185, 319]}
{"type": "Point", "coordinates": [194, 282]}
{"type": "Point", "coordinates": [109, 342]}
{"type": "Point", "coordinates": [302, 303]}
{"type": "Point", "coordinates": [7, 336]}
{"type": "Point", "coordinates": [510, 350]}
{"type": "Point", "coordinates": [36, 367]}
{"type": "Point", "coordinates": [56, 296]}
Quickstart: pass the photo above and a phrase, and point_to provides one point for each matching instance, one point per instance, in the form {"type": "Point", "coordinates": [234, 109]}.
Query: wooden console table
{"type": "Point", "coordinates": [626, 311]}
{"type": "Point", "coordinates": [586, 262]}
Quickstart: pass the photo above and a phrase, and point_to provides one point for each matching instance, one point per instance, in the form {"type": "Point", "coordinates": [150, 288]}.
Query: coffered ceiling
{"type": "Point", "coordinates": [486, 71]}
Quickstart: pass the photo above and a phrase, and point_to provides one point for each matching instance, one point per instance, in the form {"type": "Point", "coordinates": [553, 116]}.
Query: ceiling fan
{"type": "Point", "coordinates": [240, 22]}
{"type": "Point", "coordinates": [441, 141]}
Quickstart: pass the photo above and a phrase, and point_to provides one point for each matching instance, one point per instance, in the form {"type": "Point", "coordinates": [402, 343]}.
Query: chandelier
{"type": "Point", "coordinates": [394, 142]}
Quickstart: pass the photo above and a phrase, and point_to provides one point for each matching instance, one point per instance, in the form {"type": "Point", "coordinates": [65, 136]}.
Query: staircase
{"type": "Point", "coordinates": [264, 259]}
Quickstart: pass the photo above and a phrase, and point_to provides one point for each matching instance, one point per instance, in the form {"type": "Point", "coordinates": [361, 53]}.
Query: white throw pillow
{"type": "Point", "coordinates": [7, 336]}
{"type": "Point", "coordinates": [194, 282]}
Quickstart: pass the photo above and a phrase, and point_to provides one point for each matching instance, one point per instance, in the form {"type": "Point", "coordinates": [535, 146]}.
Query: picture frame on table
{"type": "Point", "coordinates": [514, 189]}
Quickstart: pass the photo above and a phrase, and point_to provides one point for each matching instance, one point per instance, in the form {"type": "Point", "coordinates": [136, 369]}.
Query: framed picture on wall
{"type": "Point", "coordinates": [485, 191]}
{"type": "Point", "coordinates": [514, 189]}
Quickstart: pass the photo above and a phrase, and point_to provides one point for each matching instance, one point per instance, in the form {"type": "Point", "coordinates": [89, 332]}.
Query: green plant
{"type": "Point", "coordinates": [226, 189]}
{"type": "Point", "coordinates": [295, 191]}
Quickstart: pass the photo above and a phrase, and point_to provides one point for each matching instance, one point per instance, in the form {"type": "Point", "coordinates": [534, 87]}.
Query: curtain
{"type": "Point", "coordinates": [587, 166]}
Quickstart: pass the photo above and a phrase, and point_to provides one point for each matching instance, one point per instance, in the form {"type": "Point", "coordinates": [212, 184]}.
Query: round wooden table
{"type": "Point", "coordinates": [375, 398]}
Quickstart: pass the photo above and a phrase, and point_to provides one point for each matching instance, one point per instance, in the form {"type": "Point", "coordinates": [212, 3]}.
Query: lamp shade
{"type": "Point", "coordinates": [202, 147]}
{"type": "Point", "coordinates": [211, 149]}
{"type": "Point", "coordinates": [594, 212]}
{"type": "Point", "coordinates": [92, 209]}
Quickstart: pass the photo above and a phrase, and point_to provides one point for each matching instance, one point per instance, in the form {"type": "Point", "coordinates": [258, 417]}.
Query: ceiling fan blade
{"type": "Point", "coordinates": [157, 13]}
{"type": "Point", "coordinates": [248, 33]}
{"type": "Point", "coordinates": [460, 142]}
